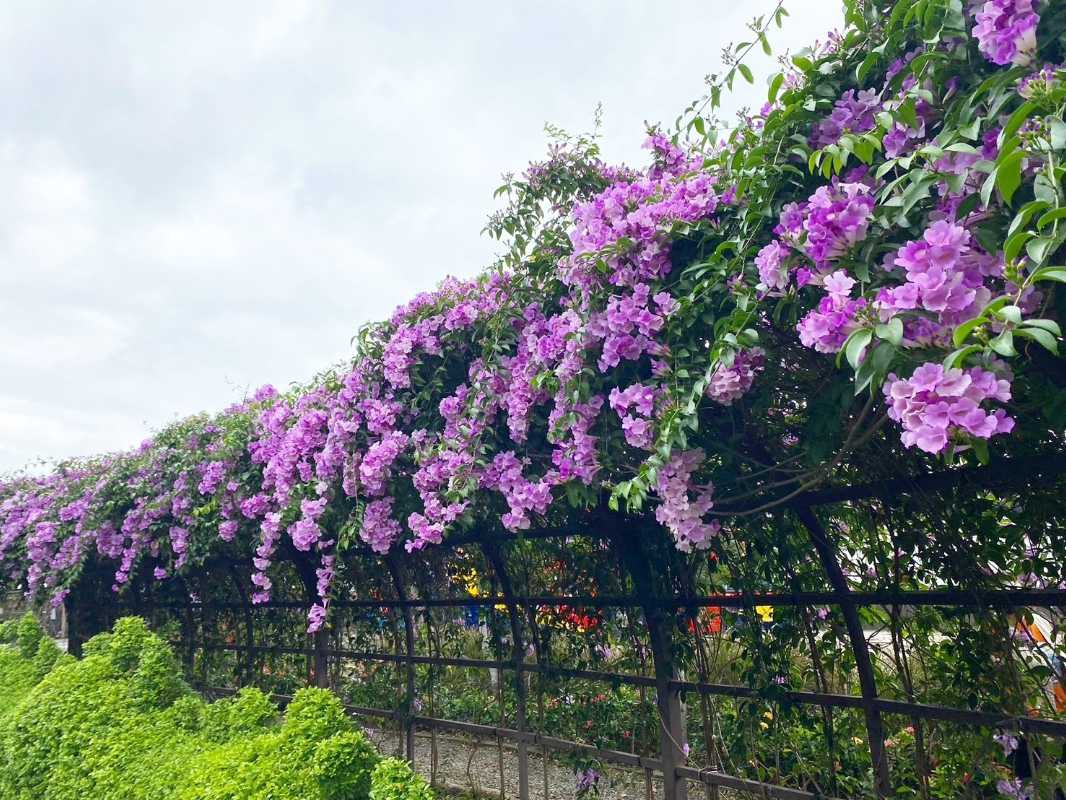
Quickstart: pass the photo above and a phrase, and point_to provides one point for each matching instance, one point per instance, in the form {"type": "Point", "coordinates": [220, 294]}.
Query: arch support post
{"type": "Point", "coordinates": [518, 652]}
{"type": "Point", "coordinates": [875, 732]}
{"type": "Point", "coordinates": [400, 584]}
{"type": "Point", "coordinates": [672, 735]}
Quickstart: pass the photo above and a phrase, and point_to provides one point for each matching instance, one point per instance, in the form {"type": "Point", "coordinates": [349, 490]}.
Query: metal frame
{"type": "Point", "coordinates": [626, 537]}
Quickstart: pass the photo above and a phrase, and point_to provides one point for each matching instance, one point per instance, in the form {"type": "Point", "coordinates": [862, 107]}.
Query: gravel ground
{"type": "Point", "coordinates": [470, 765]}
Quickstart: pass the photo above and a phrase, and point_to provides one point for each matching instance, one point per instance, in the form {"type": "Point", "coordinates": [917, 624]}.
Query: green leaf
{"type": "Point", "coordinates": [1046, 324]}
{"type": "Point", "coordinates": [745, 70]}
{"type": "Point", "coordinates": [1058, 134]}
{"type": "Point", "coordinates": [775, 87]}
{"type": "Point", "coordinates": [1051, 216]}
{"type": "Point", "coordinates": [1009, 175]}
{"type": "Point", "coordinates": [963, 331]}
{"type": "Point", "coordinates": [1024, 214]}
{"type": "Point", "coordinates": [1044, 189]}
{"type": "Point", "coordinates": [1004, 344]}
{"type": "Point", "coordinates": [856, 345]}
{"type": "Point", "coordinates": [958, 357]}
{"type": "Point", "coordinates": [1041, 247]}
{"type": "Point", "coordinates": [891, 331]}
{"type": "Point", "coordinates": [1050, 274]}
{"type": "Point", "coordinates": [987, 188]}
{"type": "Point", "coordinates": [1044, 338]}
{"type": "Point", "coordinates": [1016, 120]}
{"type": "Point", "coordinates": [1010, 314]}
{"type": "Point", "coordinates": [1014, 245]}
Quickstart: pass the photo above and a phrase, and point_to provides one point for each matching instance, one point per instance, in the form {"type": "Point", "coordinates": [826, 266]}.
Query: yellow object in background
{"type": "Point", "coordinates": [766, 613]}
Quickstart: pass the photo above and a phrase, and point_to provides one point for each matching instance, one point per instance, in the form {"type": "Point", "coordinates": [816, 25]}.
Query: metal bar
{"type": "Point", "coordinates": [993, 598]}
{"type": "Point", "coordinates": [518, 649]}
{"type": "Point", "coordinates": [976, 717]}
{"type": "Point", "coordinates": [397, 571]}
{"type": "Point", "coordinates": [860, 649]}
{"type": "Point", "coordinates": [714, 778]}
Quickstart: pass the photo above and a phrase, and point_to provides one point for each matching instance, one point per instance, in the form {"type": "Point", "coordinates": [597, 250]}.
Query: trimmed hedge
{"type": "Point", "coordinates": [121, 723]}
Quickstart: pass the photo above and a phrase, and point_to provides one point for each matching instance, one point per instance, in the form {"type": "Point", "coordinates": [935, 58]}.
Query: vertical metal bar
{"type": "Point", "coordinates": [249, 629]}
{"type": "Point", "coordinates": [860, 648]}
{"type": "Point", "coordinates": [518, 654]}
{"type": "Point", "coordinates": [628, 544]}
{"type": "Point", "coordinates": [399, 583]}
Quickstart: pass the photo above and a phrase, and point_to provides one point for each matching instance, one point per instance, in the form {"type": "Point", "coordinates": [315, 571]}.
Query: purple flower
{"type": "Point", "coordinates": [771, 263]}
{"type": "Point", "coordinates": [1006, 31]}
{"type": "Point", "coordinates": [729, 384]}
{"type": "Point", "coordinates": [678, 510]}
{"type": "Point", "coordinates": [936, 405]}
{"type": "Point", "coordinates": [852, 113]}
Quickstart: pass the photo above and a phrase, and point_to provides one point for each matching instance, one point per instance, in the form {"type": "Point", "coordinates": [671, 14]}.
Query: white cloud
{"type": "Point", "coordinates": [202, 197]}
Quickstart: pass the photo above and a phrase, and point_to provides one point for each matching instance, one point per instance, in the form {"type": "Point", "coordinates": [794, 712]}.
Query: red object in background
{"type": "Point", "coordinates": [709, 621]}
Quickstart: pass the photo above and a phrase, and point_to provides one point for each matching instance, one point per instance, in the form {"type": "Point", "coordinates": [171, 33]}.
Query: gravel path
{"type": "Point", "coordinates": [474, 765]}
{"type": "Point", "coordinates": [471, 765]}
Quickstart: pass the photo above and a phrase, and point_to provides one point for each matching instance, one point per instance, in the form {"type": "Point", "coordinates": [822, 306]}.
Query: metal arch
{"type": "Point", "coordinates": [629, 536]}
{"type": "Point", "coordinates": [875, 731]}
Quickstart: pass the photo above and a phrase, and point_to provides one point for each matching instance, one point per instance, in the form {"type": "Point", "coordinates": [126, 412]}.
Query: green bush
{"type": "Point", "coordinates": [121, 724]}
{"type": "Point", "coordinates": [394, 779]}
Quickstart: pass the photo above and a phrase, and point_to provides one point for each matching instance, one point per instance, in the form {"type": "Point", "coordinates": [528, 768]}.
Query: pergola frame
{"type": "Point", "coordinates": [623, 535]}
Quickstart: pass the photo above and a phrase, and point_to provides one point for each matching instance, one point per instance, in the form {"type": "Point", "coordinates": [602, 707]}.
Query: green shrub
{"type": "Point", "coordinates": [393, 779]}
{"type": "Point", "coordinates": [28, 635]}
{"type": "Point", "coordinates": [121, 724]}
{"type": "Point", "coordinates": [343, 764]}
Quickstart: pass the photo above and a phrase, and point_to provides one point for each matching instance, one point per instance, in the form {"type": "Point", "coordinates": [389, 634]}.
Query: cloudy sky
{"type": "Point", "coordinates": [200, 198]}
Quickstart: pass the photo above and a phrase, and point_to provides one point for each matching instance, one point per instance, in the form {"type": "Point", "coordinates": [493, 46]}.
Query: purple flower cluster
{"type": "Point", "coordinates": [852, 113]}
{"type": "Point", "coordinates": [1006, 31]}
{"type": "Point", "coordinates": [945, 275]}
{"type": "Point", "coordinates": [832, 221]}
{"type": "Point", "coordinates": [828, 325]}
{"type": "Point", "coordinates": [635, 406]}
{"type": "Point", "coordinates": [773, 268]}
{"type": "Point", "coordinates": [683, 504]}
{"type": "Point", "coordinates": [729, 383]}
{"type": "Point", "coordinates": [937, 407]}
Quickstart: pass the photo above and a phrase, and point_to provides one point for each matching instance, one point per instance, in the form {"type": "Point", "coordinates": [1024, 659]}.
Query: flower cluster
{"type": "Point", "coordinates": [945, 275]}
{"type": "Point", "coordinates": [829, 324]}
{"type": "Point", "coordinates": [938, 407]}
{"type": "Point", "coordinates": [1006, 31]}
{"type": "Point", "coordinates": [729, 383]}
{"type": "Point", "coordinates": [680, 511]}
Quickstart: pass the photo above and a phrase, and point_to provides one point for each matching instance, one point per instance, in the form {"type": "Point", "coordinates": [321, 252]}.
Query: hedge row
{"type": "Point", "coordinates": [121, 723]}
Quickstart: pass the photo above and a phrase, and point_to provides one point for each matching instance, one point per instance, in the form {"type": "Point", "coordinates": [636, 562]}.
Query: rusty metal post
{"type": "Point", "coordinates": [860, 648]}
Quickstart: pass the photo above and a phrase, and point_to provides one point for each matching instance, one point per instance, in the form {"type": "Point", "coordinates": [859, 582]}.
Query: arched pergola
{"type": "Point", "coordinates": [644, 576]}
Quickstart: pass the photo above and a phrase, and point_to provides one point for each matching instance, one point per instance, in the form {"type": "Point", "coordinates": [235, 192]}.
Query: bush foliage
{"type": "Point", "coordinates": [121, 723]}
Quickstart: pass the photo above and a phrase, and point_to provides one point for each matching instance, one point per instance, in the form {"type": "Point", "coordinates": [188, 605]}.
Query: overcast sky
{"type": "Point", "coordinates": [199, 198]}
